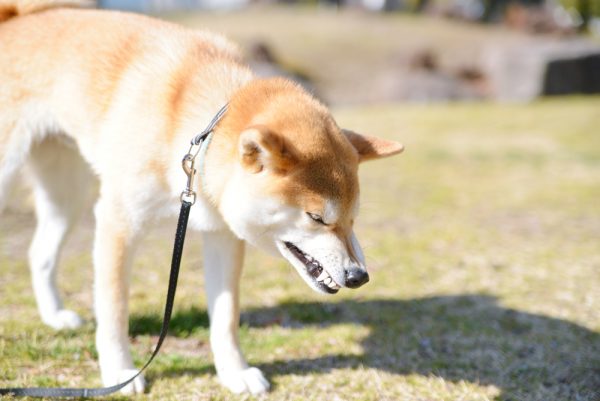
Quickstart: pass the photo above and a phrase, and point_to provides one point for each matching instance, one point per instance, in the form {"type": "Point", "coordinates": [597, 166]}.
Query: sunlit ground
{"type": "Point", "coordinates": [482, 241]}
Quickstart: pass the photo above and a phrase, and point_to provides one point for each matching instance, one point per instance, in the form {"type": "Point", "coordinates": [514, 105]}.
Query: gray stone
{"type": "Point", "coordinates": [522, 71]}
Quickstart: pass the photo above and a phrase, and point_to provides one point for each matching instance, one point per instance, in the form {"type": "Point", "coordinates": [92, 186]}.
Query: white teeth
{"type": "Point", "coordinates": [323, 276]}
{"type": "Point", "coordinates": [333, 285]}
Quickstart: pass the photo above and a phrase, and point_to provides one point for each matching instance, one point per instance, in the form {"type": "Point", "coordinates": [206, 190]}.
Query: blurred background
{"type": "Point", "coordinates": [482, 239]}
{"type": "Point", "coordinates": [409, 50]}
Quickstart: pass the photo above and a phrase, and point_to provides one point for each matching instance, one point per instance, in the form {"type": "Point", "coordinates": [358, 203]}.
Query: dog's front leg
{"type": "Point", "coordinates": [113, 249]}
{"type": "Point", "coordinates": [223, 258]}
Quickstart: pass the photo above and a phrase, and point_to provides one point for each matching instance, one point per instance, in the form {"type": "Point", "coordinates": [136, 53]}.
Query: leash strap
{"type": "Point", "coordinates": [211, 126]}
{"type": "Point", "coordinates": [94, 392]}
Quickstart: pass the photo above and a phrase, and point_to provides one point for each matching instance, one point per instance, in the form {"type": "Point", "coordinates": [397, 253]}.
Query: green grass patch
{"type": "Point", "coordinates": [482, 243]}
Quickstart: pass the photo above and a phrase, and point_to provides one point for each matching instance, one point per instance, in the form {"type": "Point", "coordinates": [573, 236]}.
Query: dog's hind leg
{"type": "Point", "coordinates": [61, 187]}
{"type": "Point", "coordinates": [223, 258]}
{"type": "Point", "coordinates": [14, 149]}
{"type": "Point", "coordinates": [7, 178]}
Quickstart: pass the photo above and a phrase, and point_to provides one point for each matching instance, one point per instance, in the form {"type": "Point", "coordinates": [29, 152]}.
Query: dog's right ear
{"type": "Point", "coordinates": [371, 147]}
{"type": "Point", "coordinates": [262, 149]}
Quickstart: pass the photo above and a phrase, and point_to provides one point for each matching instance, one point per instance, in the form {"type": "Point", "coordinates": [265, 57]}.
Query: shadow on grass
{"type": "Point", "coordinates": [183, 323]}
{"type": "Point", "coordinates": [467, 337]}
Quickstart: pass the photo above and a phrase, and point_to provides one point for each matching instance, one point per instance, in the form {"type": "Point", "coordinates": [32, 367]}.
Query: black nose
{"type": "Point", "coordinates": [356, 277]}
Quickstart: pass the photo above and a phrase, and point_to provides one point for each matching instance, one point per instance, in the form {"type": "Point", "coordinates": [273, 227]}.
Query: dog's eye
{"type": "Point", "coordinates": [317, 218]}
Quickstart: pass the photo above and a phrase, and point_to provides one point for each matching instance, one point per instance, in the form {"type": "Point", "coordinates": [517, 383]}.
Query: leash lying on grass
{"type": "Point", "coordinates": [188, 198]}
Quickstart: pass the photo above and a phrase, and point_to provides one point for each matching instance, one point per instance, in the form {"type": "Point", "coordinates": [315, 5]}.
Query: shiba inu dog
{"type": "Point", "coordinates": [97, 95]}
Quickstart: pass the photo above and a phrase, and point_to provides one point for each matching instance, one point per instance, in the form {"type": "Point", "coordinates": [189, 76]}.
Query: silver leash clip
{"type": "Point", "coordinates": [189, 195]}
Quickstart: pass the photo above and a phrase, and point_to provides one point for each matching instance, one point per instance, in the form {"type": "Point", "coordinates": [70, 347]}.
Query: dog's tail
{"type": "Point", "coordinates": [13, 8]}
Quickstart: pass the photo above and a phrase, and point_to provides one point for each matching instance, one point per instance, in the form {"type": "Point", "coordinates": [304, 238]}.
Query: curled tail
{"type": "Point", "coordinates": [13, 8]}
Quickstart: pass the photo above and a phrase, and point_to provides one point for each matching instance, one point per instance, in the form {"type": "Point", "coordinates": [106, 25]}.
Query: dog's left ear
{"type": "Point", "coordinates": [371, 147]}
{"type": "Point", "coordinates": [262, 149]}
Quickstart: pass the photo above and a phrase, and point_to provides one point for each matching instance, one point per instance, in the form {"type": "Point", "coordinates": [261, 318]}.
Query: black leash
{"type": "Point", "coordinates": [188, 197]}
{"type": "Point", "coordinates": [94, 392]}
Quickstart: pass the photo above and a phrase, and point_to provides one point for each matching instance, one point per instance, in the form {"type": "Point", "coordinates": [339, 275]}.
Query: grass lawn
{"type": "Point", "coordinates": [483, 246]}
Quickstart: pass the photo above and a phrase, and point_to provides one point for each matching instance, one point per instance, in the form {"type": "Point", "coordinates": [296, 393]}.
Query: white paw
{"type": "Point", "coordinates": [245, 380]}
{"type": "Point", "coordinates": [63, 319]}
{"type": "Point", "coordinates": [111, 378]}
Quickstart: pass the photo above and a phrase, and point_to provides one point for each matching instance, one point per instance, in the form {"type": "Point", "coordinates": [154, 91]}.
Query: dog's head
{"type": "Point", "coordinates": [293, 189]}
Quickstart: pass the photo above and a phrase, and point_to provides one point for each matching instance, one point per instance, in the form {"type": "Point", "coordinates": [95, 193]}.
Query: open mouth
{"type": "Point", "coordinates": [321, 278]}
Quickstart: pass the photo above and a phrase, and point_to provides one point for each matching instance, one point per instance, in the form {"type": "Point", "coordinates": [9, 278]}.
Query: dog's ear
{"type": "Point", "coordinates": [261, 148]}
{"type": "Point", "coordinates": [371, 147]}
